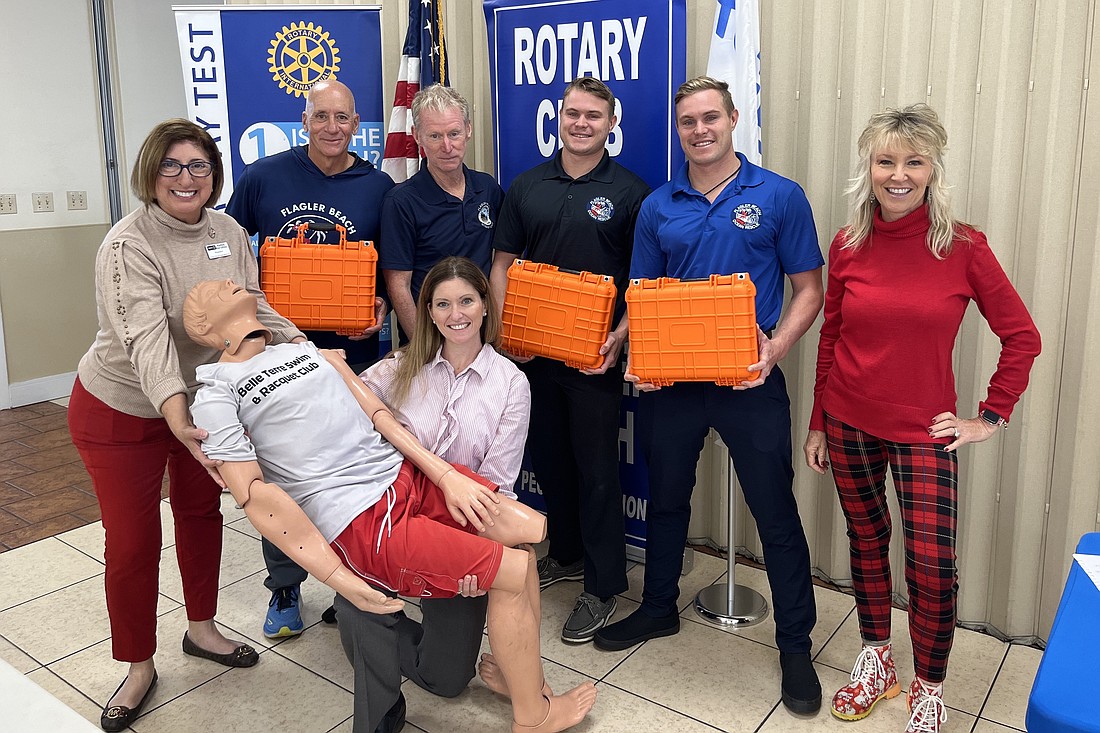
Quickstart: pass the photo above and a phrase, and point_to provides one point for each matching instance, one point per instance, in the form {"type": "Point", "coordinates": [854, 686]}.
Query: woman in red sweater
{"type": "Point", "coordinates": [901, 275]}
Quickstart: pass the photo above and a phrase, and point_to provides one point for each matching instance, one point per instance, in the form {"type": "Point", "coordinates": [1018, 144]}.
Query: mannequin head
{"type": "Point", "coordinates": [221, 314]}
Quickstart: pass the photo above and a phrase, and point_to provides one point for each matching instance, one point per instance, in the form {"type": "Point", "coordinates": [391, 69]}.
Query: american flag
{"type": "Point", "coordinates": [423, 63]}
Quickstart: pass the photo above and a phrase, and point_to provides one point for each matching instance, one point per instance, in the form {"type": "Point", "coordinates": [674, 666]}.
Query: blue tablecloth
{"type": "Point", "coordinates": [1066, 695]}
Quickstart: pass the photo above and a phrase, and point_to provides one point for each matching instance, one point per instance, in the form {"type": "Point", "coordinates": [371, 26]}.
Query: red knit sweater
{"type": "Point", "coordinates": [892, 312]}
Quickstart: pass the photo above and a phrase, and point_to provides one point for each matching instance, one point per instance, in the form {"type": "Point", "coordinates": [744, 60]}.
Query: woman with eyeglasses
{"type": "Point", "coordinates": [129, 415]}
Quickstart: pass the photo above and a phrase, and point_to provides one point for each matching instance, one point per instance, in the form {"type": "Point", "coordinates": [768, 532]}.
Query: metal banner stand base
{"type": "Point", "coordinates": [729, 604]}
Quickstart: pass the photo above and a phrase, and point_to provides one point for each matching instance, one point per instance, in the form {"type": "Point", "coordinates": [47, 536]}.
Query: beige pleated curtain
{"type": "Point", "coordinates": [1010, 81]}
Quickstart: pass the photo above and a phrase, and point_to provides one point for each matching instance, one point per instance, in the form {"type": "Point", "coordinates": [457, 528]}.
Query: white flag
{"type": "Point", "coordinates": [735, 59]}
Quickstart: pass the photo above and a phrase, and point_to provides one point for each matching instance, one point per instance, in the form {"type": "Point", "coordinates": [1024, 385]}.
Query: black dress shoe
{"type": "Point", "coordinates": [634, 629]}
{"type": "Point", "coordinates": [395, 717]}
{"type": "Point", "coordinates": [118, 717]}
{"type": "Point", "coordinates": [242, 656]}
{"type": "Point", "coordinates": [801, 688]}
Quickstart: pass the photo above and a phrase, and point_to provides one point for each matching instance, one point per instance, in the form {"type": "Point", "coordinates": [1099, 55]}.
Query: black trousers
{"type": "Point", "coordinates": [440, 654]}
{"type": "Point", "coordinates": [755, 425]}
{"type": "Point", "coordinates": [573, 442]}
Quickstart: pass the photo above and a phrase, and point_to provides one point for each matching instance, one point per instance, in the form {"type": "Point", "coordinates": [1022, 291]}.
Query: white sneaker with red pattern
{"type": "Point", "coordinates": [927, 711]}
{"type": "Point", "coordinates": [873, 678]}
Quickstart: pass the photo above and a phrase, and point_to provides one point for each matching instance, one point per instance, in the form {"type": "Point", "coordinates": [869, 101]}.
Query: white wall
{"type": "Point", "coordinates": [50, 115]}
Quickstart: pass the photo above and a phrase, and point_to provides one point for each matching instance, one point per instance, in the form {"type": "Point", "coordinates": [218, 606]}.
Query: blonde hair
{"type": "Point", "coordinates": [917, 128]}
{"type": "Point", "coordinates": [705, 84]}
{"type": "Point", "coordinates": [426, 339]}
{"type": "Point", "coordinates": [439, 98]}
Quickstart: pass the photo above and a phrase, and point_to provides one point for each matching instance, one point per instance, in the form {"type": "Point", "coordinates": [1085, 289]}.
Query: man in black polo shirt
{"type": "Point", "coordinates": [577, 211]}
{"type": "Point", "coordinates": [445, 209]}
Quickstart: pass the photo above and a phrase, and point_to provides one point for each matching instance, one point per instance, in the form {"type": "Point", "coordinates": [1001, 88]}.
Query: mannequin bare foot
{"type": "Point", "coordinates": [206, 636]}
{"type": "Point", "coordinates": [136, 685]}
{"type": "Point", "coordinates": [564, 711]}
{"type": "Point", "coordinates": [493, 677]}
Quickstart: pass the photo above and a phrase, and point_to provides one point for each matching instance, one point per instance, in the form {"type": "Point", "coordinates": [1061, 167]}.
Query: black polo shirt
{"type": "Point", "coordinates": [422, 224]}
{"type": "Point", "coordinates": [577, 224]}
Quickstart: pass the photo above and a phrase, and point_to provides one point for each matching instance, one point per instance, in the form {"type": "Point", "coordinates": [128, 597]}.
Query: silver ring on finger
{"type": "Point", "coordinates": [956, 432]}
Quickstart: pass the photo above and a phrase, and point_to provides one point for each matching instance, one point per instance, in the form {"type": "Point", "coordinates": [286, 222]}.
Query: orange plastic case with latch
{"type": "Point", "coordinates": [692, 330]}
{"type": "Point", "coordinates": [557, 313]}
{"type": "Point", "coordinates": [320, 287]}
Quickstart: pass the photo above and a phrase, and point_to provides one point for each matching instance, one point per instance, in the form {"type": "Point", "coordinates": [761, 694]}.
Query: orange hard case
{"type": "Point", "coordinates": [692, 330]}
{"type": "Point", "coordinates": [321, 287]}
{"type": "Point", "coordinates": [556, 313]}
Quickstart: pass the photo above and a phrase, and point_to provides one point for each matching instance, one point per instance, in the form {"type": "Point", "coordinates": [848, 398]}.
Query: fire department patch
{"type": "Point", "coordinates": [747, 216]}
{"type": "Point", "coordinates": [601, 209]}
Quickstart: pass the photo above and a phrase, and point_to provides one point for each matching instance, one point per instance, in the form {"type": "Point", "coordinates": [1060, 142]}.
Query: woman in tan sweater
{"type": "Point", "coordinates": [129, 415]}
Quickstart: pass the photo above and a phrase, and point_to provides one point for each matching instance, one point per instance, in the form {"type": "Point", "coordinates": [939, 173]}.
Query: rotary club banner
{"type": "Point", "coordinates": [246, 72]}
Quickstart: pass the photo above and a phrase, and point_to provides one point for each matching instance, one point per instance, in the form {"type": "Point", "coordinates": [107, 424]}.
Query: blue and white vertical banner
{"type": "Point", "coordinates": [536, 47]}
{"type": "Point", "coordinates": [735, 59]}
{"type": "Point", "coordinates": [246, 72]}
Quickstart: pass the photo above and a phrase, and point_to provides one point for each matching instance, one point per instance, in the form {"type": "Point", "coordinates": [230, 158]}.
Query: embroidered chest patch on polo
{"type": "Point", "coordinates": [747, 216]}
{"type": "Point", "coordinates": [483, 217]}
{"type": "Point", "coordinates": [601, 209]}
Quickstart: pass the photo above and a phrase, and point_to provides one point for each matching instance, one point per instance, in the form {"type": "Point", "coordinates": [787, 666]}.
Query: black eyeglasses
{"type": "Point", "coordinates": [197, 168]}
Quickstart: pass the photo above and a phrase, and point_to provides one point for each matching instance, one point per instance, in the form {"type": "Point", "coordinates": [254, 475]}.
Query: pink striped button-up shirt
{"type": "Point", "coordinates": [477, 418]}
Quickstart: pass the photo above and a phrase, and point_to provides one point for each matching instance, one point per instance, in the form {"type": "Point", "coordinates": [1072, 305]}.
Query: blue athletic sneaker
{"type": "Point", "coordinates": [283, 617]}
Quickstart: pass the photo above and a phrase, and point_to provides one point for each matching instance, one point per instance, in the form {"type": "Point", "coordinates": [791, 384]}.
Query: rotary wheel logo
{"type": "Point", "coordinates": [301, 56]}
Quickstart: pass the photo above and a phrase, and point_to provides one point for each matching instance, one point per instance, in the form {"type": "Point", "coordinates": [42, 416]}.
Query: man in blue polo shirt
{"type": "Point", "coordinates": [445, 209]}
{"type": "Point", "coordinates": [721, 214]}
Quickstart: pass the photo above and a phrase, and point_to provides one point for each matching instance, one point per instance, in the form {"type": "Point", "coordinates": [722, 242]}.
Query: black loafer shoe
{"type": "Point", "coordinates": [242, 656]}
{"type": "Point", "coordinates": [395, 717]}
{"type": "Point", "coordinates": [118, 717]}
{"type": "Point", "coordinates": [634, 629]}
{"type": "Point", "coordinates": [801, 688]}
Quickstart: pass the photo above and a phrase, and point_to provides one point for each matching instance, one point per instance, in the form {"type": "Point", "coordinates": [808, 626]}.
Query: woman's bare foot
{"type": "Point", "coordinates": [564, 711]}
{"type": "Point", "coordinates": [206, 636]}
{"type": "Point", "coordinates": [493, 677]}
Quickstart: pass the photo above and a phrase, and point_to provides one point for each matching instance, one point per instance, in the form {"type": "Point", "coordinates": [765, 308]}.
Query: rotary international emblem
{"type": "Point", "coordinates": [301, 56]}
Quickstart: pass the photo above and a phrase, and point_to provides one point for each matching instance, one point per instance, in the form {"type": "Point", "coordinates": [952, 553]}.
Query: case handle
{"type": "Point", "coordinates": [320, 226]}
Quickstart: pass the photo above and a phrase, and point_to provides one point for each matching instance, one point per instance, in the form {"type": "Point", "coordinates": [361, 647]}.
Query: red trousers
{"type": "Point", "coordinates": [926, 480]}
{"type": "Point", "coordinates": [126, 456]}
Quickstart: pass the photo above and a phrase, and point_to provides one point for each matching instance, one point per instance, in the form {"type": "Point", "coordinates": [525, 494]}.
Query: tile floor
{"type": "Point", "coordinates": [54, 630]}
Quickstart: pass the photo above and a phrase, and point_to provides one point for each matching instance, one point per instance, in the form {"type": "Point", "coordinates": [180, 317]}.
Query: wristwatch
{"type": "Point", "coordinates": [993, 418]}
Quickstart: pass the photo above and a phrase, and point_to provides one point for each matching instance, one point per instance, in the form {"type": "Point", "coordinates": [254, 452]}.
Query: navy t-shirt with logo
{"type": "Point", "coordinates": [579, 224]}
{"type": "Point", "coordinates": [761, 224]}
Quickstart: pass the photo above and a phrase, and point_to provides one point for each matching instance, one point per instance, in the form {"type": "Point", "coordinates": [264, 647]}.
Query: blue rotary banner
{"type": "Point", "coordinates": [246, 72]}
{"type": "Point", "coordinates": [638, 47]}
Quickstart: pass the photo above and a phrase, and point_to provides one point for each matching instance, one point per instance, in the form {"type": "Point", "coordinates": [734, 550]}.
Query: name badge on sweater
{"type": "Point", "coordinates": [217, 250]}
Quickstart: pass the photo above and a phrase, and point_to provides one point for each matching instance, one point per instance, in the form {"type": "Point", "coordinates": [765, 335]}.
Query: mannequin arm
{"type": "Point", "coordinates": [467, 500]}
{"type": "Point", "coordinates": [284, 523]}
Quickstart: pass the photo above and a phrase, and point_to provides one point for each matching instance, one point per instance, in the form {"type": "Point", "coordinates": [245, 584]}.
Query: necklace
{"type": "Point", "coordinates": [723, 181]}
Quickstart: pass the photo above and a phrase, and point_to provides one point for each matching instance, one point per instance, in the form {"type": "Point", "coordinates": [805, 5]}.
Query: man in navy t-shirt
{"type": "Point", "coordinates": [321, 182]}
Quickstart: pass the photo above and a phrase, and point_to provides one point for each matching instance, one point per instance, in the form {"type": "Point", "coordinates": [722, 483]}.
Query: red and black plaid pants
{"type": "Point", "coordinates": [926, 480]}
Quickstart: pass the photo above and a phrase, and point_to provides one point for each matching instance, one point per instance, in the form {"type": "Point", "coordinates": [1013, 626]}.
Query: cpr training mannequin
{"type": "Point", "coordinates": [380, 504]}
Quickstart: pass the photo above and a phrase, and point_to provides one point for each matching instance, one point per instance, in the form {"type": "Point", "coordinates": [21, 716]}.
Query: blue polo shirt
{"type": "Point", "coordinates": [422, 224]}
{"type": "Point", "coordinates": [760, 224]}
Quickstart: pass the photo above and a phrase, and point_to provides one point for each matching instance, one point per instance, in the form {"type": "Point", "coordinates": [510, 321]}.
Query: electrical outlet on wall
{"type": "Point", "coordinates": [7, 203]}
{"type": "Point", "coordinates": [78, 200]}
{"type": "Point", "coordinates": [41, 202]}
